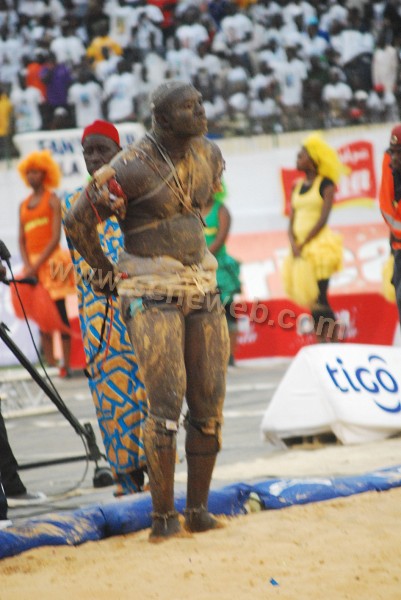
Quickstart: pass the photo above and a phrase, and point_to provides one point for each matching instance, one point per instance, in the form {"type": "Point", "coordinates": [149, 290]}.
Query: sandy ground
{"type": "Point", "coordinates": [342, 549]}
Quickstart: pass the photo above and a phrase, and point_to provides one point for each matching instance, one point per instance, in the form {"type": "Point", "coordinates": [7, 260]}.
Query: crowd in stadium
{"type": "Point", "coordinates": [262, 67]}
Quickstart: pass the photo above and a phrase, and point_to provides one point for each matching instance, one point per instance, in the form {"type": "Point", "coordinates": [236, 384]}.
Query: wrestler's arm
{"type": "Point", "coordinates": [81, 227]}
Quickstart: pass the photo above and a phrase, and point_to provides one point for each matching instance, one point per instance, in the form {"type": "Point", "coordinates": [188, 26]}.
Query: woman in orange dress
{"type": "Point", "coordinates": [39, 242]}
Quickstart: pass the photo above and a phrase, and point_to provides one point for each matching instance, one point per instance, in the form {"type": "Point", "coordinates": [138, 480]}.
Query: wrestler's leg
{"type": "Point", "coordinates": [158, 338]}
{"type": "Point", "coordinates": [206, 356]}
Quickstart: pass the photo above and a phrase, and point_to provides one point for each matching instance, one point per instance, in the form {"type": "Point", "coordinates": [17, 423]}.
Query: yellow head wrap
{"type": "Point", "coordinates": [41, 160]}
{"type": "Point", "coordinates": [326, 159]}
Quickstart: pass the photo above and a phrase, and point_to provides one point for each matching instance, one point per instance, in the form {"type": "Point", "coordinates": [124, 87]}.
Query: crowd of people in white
{"type": "Point", "coordinates": [262, 67]}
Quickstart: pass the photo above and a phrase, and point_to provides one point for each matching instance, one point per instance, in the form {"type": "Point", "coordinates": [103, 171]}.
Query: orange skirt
{"type": "Point", "coordinates": [57, 274]}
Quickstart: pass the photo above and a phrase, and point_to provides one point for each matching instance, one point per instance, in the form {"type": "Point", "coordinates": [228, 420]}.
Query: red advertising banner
{"type": "Point", "coordinates": [366, 248]}
{"type": "Point", "coordinates": [359, 186]}
{"type": "Point", "coordinates": [281, 328]}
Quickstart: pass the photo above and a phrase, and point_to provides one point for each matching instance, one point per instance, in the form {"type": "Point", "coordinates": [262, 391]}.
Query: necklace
{"type": "Point", "coordinates": [184, 197]}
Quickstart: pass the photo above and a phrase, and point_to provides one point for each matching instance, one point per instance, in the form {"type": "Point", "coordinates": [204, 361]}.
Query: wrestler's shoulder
{"type": "Point", "coordinates": [136, 152]}
{"type": "Point", "coordinates": [206, 146]}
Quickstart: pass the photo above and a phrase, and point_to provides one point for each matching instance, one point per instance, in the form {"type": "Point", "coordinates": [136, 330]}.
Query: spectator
{"type": "Point", "coordinates": [291, 76]}
{"type": "Point", "coordinates": [96, 21]}
{"type": "Point", "coordinates": [145, 87]}
{"type": "Point", "coordinates": [122, 19]}
{"type": "Point", "coordinates": [363, 41]}
{"type": "Point", "coordinates": [57, 78]}
{"type": "Point", "coordinates": [168, 24]}
{"type": "Point", "coordinates": [318, 77]}
{"type": "Point", "coordinates": [117, 391]}
{"type": "Point", "coordinates": [236, 78]}
{"type": "Point", "coordinates": [85, 96]}
{"type": "Point", "coordinates": [358, 109]}
{"type": "Point", "coordinates": [356, 50]}
{"type": "Point", "coordinates": [102, 40]}
{"type": "Point", "coordinates": [336, 96]}
{"type": "Point", "coordinates": [120, 91]}
{"type": "Point", "coordinates": [34, 69]}
{"type": "Point", "coordinates": [68, 47]}
{"type": "Point", "coordinates": [238, 105]}
{"type": "Point", "coordinates": [146, 32]}
{"type": "Point", "coordinates": [181, 61]}
{"type": "Point", "coordinates": [264, 78]}
{"type": "Point", "coordinates": [191, 33]}
{"type": "Point", "coordinates": [218, 222]}
{"type": "Point", "coordinates": [385, 64]}
{"type": "Point", "coordinates": [264, 112]}
{"type": "Point", "coordinates": [6, 113]}
{"type": "Point", "coordinates": [10, 55]}
{"type": "Point", "coordinates": [382, 105]}
{"type": "Point", "coordinates": [26, 103]}
{"type": "Point", "coordinates": [107, 67]}
{"type": "Point", "coordinates": [157, 67]}
{"type": "Point", "coordinates": [314, 44]}
{"type": "Point", "coordinates": [13, 492]}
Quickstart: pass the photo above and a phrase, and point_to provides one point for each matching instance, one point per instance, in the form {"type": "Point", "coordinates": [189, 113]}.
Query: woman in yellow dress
{"type": "Point", "coordinates": [316, 251]}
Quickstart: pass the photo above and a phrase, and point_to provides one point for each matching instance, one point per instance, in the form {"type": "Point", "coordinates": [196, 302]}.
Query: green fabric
{"type": "Point", "coordinates": [221, 196]}
{"type": "Point", "coordinates": [228, 271]}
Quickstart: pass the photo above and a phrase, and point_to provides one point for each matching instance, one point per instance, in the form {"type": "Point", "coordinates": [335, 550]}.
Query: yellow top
{"type": "Point", "coordinates": [307, 208]}
{"type": "Point", "coordinates": [95, 49]}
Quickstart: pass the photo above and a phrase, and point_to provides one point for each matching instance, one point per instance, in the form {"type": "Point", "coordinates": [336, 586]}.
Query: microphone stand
{"type": "Point", "coordinates": [103, 476]}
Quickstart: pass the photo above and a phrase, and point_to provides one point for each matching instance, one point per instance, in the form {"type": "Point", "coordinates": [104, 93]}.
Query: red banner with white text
{"type": "Point", "coordinates": [358, 187]}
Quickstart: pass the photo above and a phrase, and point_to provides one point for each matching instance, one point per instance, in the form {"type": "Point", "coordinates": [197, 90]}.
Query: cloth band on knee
{"type": "Point", "coordinates": [161, 425]}
{"type": "Point", "coordinates": [209, 426]}
{"type": "Point", "coordinates": [159, 434]}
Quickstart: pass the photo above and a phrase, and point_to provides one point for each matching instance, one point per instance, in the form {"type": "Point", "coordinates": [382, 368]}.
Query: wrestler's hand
{"type": "Point", "coordinates": [118, 200]}
{"type": "Point", "coordinates": [109, 191]}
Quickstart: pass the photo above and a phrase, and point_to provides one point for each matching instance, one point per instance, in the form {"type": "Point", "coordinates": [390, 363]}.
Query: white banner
{"type": "Point", "coordinates": [66, 149]}
{"type": "Point", "coordinates": [354, 390]}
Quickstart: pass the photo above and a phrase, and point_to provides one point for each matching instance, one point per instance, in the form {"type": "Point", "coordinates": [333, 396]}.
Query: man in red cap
{"type": "Point", "coordinates": [118, 393]}
{"type": "Point", "coordinates": [390, 204]}
{"type": "Point", "coordinates": [166, 280]}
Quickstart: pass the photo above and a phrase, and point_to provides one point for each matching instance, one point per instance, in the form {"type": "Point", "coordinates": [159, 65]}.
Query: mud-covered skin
{"type": "Point", "coordinates": [181, 355]}
{"type": "Point", "coordinates": [179, 352]}
{"type": "Point", "coordinates": [175, 231]}
{"type": "Point", "coordinates": [163, 225]}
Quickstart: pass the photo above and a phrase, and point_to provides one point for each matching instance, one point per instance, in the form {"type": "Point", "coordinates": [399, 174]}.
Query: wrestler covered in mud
{"type": "Point", "coordinates": [166, 281]}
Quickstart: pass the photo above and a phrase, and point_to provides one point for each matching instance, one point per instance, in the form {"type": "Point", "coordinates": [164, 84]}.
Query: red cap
{"type": "Point", "coordinates": [379, 88]}
{"type": "Point", "coordinates": [102, 128]}
{"type": "Point", "coordinates": [395, 138]}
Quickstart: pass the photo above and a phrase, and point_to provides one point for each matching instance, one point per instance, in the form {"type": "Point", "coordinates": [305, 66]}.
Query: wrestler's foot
{"type": "Point", "coordinates": [165, 526]}
{"type": "Point", "coordinates": [199, 519]}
